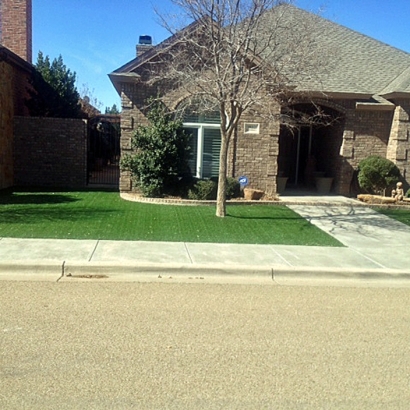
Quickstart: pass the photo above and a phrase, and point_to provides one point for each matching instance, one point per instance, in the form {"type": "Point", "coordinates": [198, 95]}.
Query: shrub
{"type": "Point", "coordinates": [376, 174]}
{"type": "Point", "coordinates": [233, 188]}
{"type": "Point", "coordinates": [408, 193]}
{"type": "Point", "coordinates": [207, 189]}
{"type": "Point", "coordinates": [161, 152]}
{"type": "Point", "coordinates": [203, 190]}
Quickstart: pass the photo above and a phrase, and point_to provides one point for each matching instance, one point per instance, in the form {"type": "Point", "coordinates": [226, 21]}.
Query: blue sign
{"type": "Point", "coordinates": [243, 180]}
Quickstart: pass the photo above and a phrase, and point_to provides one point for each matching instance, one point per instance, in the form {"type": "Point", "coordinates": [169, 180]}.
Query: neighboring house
{"type": "Point", "coordinates": [365, 89]}
{"type": "Point", "coordinates": [14, 80]}
{"type": "Point", "coordinates": [38, 151]}
{"type": "Point", "coordinates": [15, 72]}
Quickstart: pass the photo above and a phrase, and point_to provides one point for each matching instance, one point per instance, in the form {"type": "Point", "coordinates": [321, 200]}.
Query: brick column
{"type": "Point", "coordinates": [16, 27]}
{"type": "Point", "coordinates": [398, 147]}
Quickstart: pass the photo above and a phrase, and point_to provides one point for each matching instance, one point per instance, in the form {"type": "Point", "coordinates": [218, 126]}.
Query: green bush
{"type": "Point", "coordinates": [207, 189]}
{"type": "Point", "coordinates": [160, 153]}
{"type": "Point", "coordinates": [233, 188]}
{"type": "Point", "coordinates": [408, 193]}
{"type": "Point", "coordinates": [203, 190]}
{"type": "Point", "coordinates": [376, 174]}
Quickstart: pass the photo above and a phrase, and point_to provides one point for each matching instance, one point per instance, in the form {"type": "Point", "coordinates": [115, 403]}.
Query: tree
{"type": "Point", "coordinates": [237, 56]}
{"type": "Point", "coordinates": [53, 92]}
{"type": "Point", "coordinates": [90, 105]}
{"type": "Point", "coordinates": [112, 110]}
{"type": "Point", "coordinates": [161, 152]}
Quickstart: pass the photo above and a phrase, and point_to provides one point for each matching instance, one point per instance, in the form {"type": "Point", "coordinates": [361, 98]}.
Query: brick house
{"type": "Point", "coordinates": [15, 72]}
{"type": "Point", "coordinates": [365, 89]}
{"type": "Point", "coordinates": [34, 151]}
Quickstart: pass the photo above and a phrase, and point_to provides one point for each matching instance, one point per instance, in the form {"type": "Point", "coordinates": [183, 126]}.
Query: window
{"type": "Point", "coordinates": [251, 128]}
{"type": "Point", "coordinates": [205, 143]}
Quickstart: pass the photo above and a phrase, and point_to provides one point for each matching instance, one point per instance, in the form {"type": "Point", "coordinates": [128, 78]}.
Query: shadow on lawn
{"type": "Point", "coordinates": [271, 218]}
{"type": "Point", "coordinates": [42, 215]}
{"type": "Point", "coordinates": [35, 199]}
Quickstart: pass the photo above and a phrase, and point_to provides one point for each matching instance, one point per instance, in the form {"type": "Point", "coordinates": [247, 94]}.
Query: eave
{"type": "Point", "coordinates": [120, 78]}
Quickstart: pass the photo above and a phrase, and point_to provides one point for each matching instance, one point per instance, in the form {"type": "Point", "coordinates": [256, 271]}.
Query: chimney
{"type": "Point", "coordinates": [144, 44]}
{"type": "Point", "coordinates": [16, 27]}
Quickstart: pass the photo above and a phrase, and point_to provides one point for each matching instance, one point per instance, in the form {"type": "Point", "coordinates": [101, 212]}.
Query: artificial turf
{"type": "Point", "coordinates": [401, 215]}
{"type": "Point", "coordinates": [104, 215]}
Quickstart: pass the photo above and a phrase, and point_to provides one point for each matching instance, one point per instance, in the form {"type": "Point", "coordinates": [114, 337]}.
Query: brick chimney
{"type": "Point", "coordinates": [16, 27]}
{"type": "Point", "coordinates": [145, 44]}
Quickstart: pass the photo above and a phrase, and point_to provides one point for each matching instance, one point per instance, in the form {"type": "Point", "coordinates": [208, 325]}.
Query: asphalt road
{"type": "Point", "coordinates": [200, 346]}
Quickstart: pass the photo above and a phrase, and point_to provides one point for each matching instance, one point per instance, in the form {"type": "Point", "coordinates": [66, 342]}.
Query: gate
{"type": "Point", "coordinates": [103, 154]}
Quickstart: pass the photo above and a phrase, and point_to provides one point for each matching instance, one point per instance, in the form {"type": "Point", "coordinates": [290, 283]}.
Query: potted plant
{"type": "Point", "coordinates": [323, 183]}
{"type": "Point", "coordinates": [281, 181]}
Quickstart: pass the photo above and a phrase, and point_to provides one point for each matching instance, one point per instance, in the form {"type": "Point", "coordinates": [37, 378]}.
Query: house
{"type": "Point", "coordinates": [362, 86]}
{"type": "Point", "coordinates": [15, 71]}
{"type": "Point", "coordinates": [37, 151]}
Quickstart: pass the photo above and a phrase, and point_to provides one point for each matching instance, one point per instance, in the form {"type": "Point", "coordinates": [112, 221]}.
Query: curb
{"type": "Point", "coordinates": [44, 271]}
{"type": "Point", "coordinates": [131, 272]}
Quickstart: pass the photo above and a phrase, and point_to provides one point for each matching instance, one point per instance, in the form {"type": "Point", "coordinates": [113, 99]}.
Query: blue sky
{"type": "Point", "coordinates": [95, 37]}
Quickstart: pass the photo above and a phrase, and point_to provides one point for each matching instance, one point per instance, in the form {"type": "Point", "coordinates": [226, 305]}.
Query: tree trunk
{"type": "Point", "coordinates": [221, 195]}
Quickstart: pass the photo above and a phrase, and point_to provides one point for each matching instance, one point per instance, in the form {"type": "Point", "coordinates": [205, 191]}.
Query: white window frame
{"type": "Point", "coordinates": [200, 143]}
{"type": "Point", "coordinates": [251, 128]}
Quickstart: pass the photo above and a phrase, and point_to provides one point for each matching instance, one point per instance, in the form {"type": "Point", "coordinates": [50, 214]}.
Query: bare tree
{"type": "Point", "coordinates": [89, 102]}
{"type": "Point", "coordinates": [237, 55]}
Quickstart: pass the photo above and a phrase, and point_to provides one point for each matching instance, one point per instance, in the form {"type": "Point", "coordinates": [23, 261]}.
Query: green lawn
{"type": "Point", "coordinates": [104, 215]}
{"type": "Point", "coordinates": [402, 215]}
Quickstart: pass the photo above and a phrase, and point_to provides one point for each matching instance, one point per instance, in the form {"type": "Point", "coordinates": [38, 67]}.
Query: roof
{"type": "Point", "coordinates": [347, 62]}
{"type": "Point", "coordinates": [354, 63]}
{"type": "Point", "coordinates": [12, 58]}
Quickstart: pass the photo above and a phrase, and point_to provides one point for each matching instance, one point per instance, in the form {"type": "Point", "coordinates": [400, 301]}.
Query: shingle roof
{"type": "Point", "coordinates": [356, 63]}
{"type": "Point", "coordinates": [348, 62]}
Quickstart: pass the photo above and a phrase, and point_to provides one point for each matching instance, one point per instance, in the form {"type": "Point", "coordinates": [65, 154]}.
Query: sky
{"type": "Point", "coordinates": [95, 37]}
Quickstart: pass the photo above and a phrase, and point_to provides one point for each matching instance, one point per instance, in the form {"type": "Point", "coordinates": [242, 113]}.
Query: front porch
{"type": "Point", "coordinates": [309, 150]}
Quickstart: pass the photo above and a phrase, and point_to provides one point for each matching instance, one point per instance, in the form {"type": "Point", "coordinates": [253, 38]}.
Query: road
{"type": "Point", "coordinates": [102, 345]}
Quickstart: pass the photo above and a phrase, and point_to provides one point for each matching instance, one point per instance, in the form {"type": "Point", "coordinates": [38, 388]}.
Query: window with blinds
{"type": "Point", "coordinates": [205, 141]}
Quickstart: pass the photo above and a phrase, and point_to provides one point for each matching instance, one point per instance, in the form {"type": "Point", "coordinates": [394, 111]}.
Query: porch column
{"type": "Point", "coordinates": [399, 141]}
{"type": "Point", "coordinates": [345, 172]}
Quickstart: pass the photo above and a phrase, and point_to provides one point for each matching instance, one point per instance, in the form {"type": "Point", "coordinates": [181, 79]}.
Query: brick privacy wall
{"type": "Point", "coordinates": [16, 27]}
{"type": "Point", "coordinates": [50, 152]}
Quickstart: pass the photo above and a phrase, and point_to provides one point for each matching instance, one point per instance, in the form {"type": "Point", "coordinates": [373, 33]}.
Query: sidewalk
{"type": "Point", "coordinates": [376, 250]}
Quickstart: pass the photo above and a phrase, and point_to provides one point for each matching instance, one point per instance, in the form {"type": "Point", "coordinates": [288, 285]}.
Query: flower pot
{"type": "Point", "coordinates": [323, 185]}
{"type": "Point", "coordinates": [281, 184]}
{"type": "Point", "coordinates": [253, 194]}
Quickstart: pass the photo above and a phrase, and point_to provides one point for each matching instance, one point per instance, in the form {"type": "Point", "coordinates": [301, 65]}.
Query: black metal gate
{"type": "Point", "coordinates": [104, 150]}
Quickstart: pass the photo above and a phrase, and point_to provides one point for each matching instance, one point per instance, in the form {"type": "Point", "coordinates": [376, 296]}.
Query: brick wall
{"type": "Point", "coordinates": [256, 155]}
{"type": "Point", "coordinates": [365, 133]}
{"type": "Point", "coordinates": [50, 152]}
{"type": "Point", "coordinates": [16, 27]}
{"type": "Point", "coordinates": [247, 157]}
{"type": "Point", "coordinates": [13, 91]}
{"type": "Point", "coordinates": [6, 125]}
{"type": "Point", "coordinates": [356, 135]}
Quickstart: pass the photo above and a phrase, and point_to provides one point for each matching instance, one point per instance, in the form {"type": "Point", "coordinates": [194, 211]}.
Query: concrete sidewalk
{"type": "Point", "coordinates": [376, 250]}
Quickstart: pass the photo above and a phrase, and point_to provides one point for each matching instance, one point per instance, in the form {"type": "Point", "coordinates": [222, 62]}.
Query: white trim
{"type": "Point", "coordinates": [251, 128]}
{"type": "Point", "coordinates": [200, 142]}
